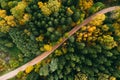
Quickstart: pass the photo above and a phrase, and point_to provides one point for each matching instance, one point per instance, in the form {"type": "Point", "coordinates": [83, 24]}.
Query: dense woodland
{"type": "Point", "coordinates": [30, 27]}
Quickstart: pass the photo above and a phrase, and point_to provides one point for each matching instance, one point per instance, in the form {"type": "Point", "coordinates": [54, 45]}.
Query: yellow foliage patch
{"type": "Point", "coordinates": [29, 69]}
{"type": "Point", "coordinates": [47, 47]}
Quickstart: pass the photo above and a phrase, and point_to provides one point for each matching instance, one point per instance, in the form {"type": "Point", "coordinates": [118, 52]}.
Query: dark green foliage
{"type": "Point", "coordinates": [76, 16]}
{"type": "Point", "coordinates": [44, 71]}
{"type": "Point", "coordinates": [108, 53]}
{"type": "Point", "coordinates": [53, 65]}
{"type": "Point", "coordinates": [96, 7]}
{"type": "Point", "coordinates": [72, 39]}
{"type": "Point", "coordinates": [33, 75]}
{"type": "Point", "coordinates": [88, 62]}
{"type": "Point", "coordinates": [6, 43]}
{"type": "Point", "coordinates": [98, 48]}
{"type": "Point", "coordinates": [84, 62]}
{"type": "Point", "coordinates": [69, 21]}
{"type": "Point", "coordinates": [116, 73]}
{"type": "Point", "coordinates": [25, 43]}
{"type": "Point", "coordinates": [80, 45]}
{"type": "Point", "coordinates": [38, 22]}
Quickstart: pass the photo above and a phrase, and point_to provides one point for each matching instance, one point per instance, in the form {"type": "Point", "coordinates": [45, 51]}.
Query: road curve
{"type": "Point", "coordinates": [45, 54]}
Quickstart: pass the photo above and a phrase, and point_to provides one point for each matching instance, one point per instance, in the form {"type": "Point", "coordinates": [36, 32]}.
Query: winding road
{"type": "Point", "coordinates": [45, 54]}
